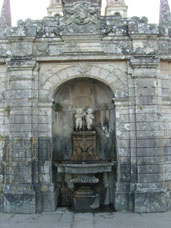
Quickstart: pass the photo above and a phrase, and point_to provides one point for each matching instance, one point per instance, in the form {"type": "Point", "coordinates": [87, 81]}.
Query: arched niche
{"type": "Point", "coordinates": [83, 93]}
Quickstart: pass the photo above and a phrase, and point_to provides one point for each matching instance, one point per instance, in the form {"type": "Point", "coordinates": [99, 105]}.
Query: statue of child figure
{"type": "Point", "coordinates": [79, 118]}
{"type": "Point", "coordinates": [89, 118]}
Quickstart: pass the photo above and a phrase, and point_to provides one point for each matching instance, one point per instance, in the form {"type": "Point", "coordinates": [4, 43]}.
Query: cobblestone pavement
{"type": "Point", "coordinates": [62, 218]}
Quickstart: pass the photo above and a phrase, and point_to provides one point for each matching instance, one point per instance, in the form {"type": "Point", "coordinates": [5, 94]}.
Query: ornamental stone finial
{"type": "Point", "coordinates": [55, 8]}
{"type": "Point", "coordinates": [116, 7]}
{"type": "Point", "coordinates": [165, 15]}
{"type": "Point", "coordinates": [6, 13]}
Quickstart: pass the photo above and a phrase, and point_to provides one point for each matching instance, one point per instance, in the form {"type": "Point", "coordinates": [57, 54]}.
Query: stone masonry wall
{"type": "Point", "coordinates": [20, 146]}
{"type": "Point", "coordinates": [4, 120]}
{"type": "Point", "coordinates": [149, 133]}
{"type": "Point", "coordinates": [129, 55]}
{"type": "Point", "coordinates": [166, 116]}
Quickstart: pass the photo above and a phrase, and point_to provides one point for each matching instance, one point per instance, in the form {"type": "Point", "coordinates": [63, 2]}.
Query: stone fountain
{"type": "Point", "coordinates": [84, 164]}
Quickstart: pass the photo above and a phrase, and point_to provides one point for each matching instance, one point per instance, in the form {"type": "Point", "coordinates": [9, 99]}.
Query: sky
{"type": "Point", "coordinates": [37, 9]}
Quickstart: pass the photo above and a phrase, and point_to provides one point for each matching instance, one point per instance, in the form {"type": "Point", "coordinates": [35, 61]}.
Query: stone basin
{"type": "Point", "coordinates": [84, 167]}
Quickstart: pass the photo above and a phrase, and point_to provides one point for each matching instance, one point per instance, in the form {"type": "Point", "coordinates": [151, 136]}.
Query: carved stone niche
{"type": "Point", "coordinates": [84, 146]}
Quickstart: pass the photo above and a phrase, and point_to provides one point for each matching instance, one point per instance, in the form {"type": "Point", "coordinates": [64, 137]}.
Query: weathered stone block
{"type": "Point", "coordinates": [144, 46]}
{"type": "Point", "coordinates": [44, 154]}
{"type": "Point", "coordinates": [149, 143]}
{"type": "Point", "coordinates": [20, 103]}
{"type": "Point", "coordinates": [121, 201]}
{"type": "Point", "coordinates": [1, 201]}
{"type": "Point", "coordinates": [149, 160]}
{"type": "Point", "coordinates": [145, 151]}
{"type": "Point", "coordinates": [22, 48]}
{"type": "Point", "coordinates": [20, 119]}
{"type": "Point", "coordinates": [44, 149]}
{"type": "Point", "coordinates": [168, 171]}
{"type": "Point", "coordinates": [49, 201]}
{"type": "Point", "coordinates": [149, 169]}
{"type": "Point", "coordinates": [146, 202]}
{"type": "Point", "coordinates": [20, 127]}
{"type": "Point", "coordinates": [20, 94]}
{"type": "Point", "coordinates": [152, 177]}
{"type": "Point", "coordinates": [19, 203]}
{"type": "Point", "coordinates": [150, 134]}
{"type": "Point", "coordinates": [125, 172]}
{"type": "Point", "coordinates": [169, 200]}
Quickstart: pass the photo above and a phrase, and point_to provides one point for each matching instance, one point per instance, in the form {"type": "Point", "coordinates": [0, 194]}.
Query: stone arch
{"type": "Point", "coordinates": [95, 146]}
{"type": "Point", "coordinates": [84, 93]}
{"type": "Point", "coordinates": [54, 75]}
{"type": "Point", "coordinates": [111, 75]}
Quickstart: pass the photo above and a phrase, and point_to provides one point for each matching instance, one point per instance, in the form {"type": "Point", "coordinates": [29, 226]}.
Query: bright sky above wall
{"type": "Point", "coordinates": [36, 9]}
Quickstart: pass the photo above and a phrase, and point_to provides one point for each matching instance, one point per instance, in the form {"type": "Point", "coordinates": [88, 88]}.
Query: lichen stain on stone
{"type": "Point", "coordinates": [34, 141]}
{"type": "Point", "coordinates": [140, 107]}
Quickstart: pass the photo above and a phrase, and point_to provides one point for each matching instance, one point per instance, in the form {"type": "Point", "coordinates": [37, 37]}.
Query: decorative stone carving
{"type": "Point", "coordinates": [84, 146]}
{"type": "Point", "coordinates": [89, 118]}
{"type": "Point", "coordinates": [65, 2]}
{"type": "Point", "coordinates": [83, 68]}
{"type": "Point", "coordinates": [110, 73]}
{"type": "Point", "coordinates": [81, 17]}
{"type": "Point", "coordinates": [79, 118]}
{"type": "Point", "coordinates": [82, 116]}
{"type": "Point", "coordinates": [85, 179]}
{"type": "Point", "coordinates": [81, 14]}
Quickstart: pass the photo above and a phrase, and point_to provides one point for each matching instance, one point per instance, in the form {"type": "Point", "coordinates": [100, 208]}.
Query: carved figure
{"type": "Point", "coordinates": [89, 118]}
{"type": "Point", "coordinates": [79, 118]}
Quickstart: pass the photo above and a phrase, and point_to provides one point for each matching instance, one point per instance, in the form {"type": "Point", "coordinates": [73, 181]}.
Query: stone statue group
{"type": "Point", "coordinates": [81, 115]}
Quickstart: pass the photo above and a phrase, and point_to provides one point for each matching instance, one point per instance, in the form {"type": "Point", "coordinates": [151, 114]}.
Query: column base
{"type": "Point", "coordinates": [149, 200]}
{"type": "Point", "coordinates": [121, 201]}
{"type": "Point", "coordinates": [1, 203]}
{"type": "Point", "coordinates": [49, 201]}
{"type": "Point", "coordinates": [19, 199]}
{"type": "Point", "coordinates": [85, 199]}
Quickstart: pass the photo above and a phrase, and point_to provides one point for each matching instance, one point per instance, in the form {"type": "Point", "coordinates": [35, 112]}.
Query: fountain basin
{"type": "Point", "coordinates": [84, 168]}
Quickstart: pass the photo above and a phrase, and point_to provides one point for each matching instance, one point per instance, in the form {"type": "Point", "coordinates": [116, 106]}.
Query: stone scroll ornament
{"type": "Point", "coordinates": [81, 115]}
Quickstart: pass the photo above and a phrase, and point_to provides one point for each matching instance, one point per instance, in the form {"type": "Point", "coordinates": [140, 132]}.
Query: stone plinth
{"type": "Point", "coordinates": [85, 199]}
{"type": "Point", "coordinates": [84, 146]}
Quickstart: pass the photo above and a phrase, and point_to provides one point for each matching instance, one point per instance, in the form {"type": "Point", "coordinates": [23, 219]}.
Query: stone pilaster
{"type": "Point", "coordinates": [48, 190]}
{"type": "Point", "coordinates": [21, 147]}
{"type": "Point", "coordinates": [150, 195]}
{"type": "Point", "coordinates": [123, 154]}
{"type": "Point", "coordinates": [4, 120]}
